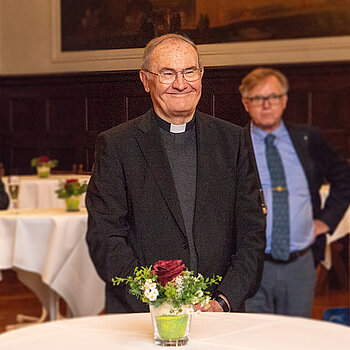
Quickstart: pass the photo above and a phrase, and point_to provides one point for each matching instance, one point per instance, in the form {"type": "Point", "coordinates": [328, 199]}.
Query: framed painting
{"type": "Point", "coordinates": [226, 32]}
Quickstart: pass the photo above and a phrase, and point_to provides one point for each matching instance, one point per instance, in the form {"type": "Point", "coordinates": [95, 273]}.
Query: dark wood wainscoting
{"type": "Point", "coordinates": [60, 115]}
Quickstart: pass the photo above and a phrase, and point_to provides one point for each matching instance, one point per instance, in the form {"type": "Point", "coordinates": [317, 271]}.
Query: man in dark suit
{"type": "Point", "coordinates": [295, 220]}
{"type": "Point", "coordinates": [4, 199]}
{"type": "Point", "coordinates": [175, 183]}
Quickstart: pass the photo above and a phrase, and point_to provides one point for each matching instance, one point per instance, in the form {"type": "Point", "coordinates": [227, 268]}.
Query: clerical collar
{"type": "Point", "coordinates": [174, 129]}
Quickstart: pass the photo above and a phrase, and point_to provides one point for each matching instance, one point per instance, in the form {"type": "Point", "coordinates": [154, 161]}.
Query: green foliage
{"type": "Point", "coordinates": [70, 188]}
{"type": "Point", "coordinates": [37, 162]}
{"type": "Point", "coordinates": [185, 289]}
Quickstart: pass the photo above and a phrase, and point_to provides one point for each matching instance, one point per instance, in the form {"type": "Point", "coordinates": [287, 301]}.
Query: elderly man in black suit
{"type": "Point", "coordinates": [175, 184]}
{"type": "Point", "coordinates": [293, 162]}
{"type": "Point", "coordinates": [4, 199]}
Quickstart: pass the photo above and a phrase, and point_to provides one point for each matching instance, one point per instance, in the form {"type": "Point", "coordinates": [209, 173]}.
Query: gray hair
{"type": "Point", "coordinates": [157, 41]}
{"type": "Point", "coordinates": [258, 75]}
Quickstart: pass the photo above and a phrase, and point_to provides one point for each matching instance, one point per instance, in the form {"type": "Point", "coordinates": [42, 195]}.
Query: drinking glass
{"type": "Point", "coordinates": [13, 187]}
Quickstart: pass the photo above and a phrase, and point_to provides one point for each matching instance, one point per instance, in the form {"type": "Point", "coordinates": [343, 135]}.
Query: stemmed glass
{"type": "Point", "coordinates": [13, 187]}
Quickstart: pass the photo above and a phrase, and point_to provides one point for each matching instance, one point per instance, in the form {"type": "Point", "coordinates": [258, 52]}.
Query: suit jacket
{"type": "Point", "coordinates": [135, 217]}
{"type": "Point", "coordinates": [321, 164]}
{"type": "Point", "coordinates": [4, 199]}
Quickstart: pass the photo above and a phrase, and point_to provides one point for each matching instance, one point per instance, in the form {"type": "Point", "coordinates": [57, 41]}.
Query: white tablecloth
{"type": "Point", "coordinates": [208, 331]}
{"type": "Point", "coordinates": [40, 193]}
{"type": "Point", "coordinates": [48, 250]}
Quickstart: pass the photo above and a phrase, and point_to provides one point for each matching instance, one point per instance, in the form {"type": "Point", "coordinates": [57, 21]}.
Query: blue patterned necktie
{"type": "Point", "coordinates": [280, 206]}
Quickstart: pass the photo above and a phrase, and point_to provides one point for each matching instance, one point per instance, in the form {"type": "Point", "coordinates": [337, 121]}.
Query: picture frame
{"type": "Point", "coordinates": [264, 52]}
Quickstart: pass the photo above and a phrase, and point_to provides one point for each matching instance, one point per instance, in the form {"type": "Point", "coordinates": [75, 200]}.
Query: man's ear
{"type": "Point", "coordinates": [144, 79]}
{"type": "Point", "coordinates": [245, 104]}
{"type": "Point", "coordinates": [284, 101]}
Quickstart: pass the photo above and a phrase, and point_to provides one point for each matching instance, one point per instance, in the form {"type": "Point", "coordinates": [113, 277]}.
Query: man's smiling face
{"type": "Point", "coordinates": [179, 99]}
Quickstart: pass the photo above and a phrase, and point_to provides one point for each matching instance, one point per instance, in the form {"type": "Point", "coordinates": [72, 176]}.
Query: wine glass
{"type": "Point", "coordinates": [13, 187]}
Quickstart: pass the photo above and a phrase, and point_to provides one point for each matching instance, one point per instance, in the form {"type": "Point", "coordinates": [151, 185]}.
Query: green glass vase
{"type": "Point", "coordinates": [73, 203]}
{"type": "Point", "coordinates": [43, 171]}
{"type": "Point", "coordinates": [171, 326]}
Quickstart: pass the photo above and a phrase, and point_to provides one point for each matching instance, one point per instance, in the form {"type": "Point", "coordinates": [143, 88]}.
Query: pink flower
{"type": "Point", "coordinates": [167, 270]}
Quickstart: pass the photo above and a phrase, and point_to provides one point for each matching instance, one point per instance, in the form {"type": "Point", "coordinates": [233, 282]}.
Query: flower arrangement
{"type": "Point", "coordinates": [44, 161]}
{"type": "Point", "coordinates": [71, 187]}
{"type": "Point", "coordinates": [168, 282]}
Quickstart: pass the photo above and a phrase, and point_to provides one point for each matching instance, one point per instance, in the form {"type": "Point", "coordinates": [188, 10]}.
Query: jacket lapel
{"type": "Point", "coordinates": [152, 148]}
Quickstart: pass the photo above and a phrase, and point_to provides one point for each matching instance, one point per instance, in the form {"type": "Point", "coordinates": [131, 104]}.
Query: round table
{"type": "Point", "coordinates": [35, 192]}
{"type": "Point", "coordinates": [208, 331]}
{"type": "Point", "coordinates": [47, 248]}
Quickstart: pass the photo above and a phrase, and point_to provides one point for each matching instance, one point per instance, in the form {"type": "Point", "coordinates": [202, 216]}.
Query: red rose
{"type": "Point", "coordinates": [43, 159]}
{"type": "Point", "coordinates": [167, 270]}
{"type": "Point", "coordinates": [71, 180]}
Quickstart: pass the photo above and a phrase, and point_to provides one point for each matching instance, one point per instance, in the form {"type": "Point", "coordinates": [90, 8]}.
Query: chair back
{"type": "Point", "coordinates": [337, 315]}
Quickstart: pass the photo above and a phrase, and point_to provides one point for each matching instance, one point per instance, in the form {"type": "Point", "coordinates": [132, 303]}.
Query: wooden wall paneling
{"type": "Point", "coordinates": [229, 106]}
{"type": "Point", "coordinates": [111, 99]}
{"type": "Point", "coordinates": [299, 107]}
{"type": "Point", "coordinates": [326, 109]}
{"type": "Point", "coordinates": [65, 131]}
{"type": "Point", "coordinates": [61, 115]}
{"type": "Point", "coordinates": [137, 104]}
{"type": "Point", "coordinates": [103, 113]}
{"type": "Point", "coordinates": [327, 114]}
{"type": "Point", "coordinates": [28, 126]}
{"type": "Point", "coordinates": [220, 95]}
{"type": "Point", "coordinates": [345, 114]}
{"type": "Point", "coordinates": [4, 131]}
{"type": "Point", "coordinates": [206, 103]}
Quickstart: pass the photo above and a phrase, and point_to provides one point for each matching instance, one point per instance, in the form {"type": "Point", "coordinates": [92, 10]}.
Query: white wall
{"type": "Point", "coordinates": [29, 43]}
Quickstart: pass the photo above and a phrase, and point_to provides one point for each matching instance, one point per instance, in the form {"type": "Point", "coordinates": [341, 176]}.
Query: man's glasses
{"type": "Point", "coordinates": [168, 76]}
{"type": "Point", "coordinates": [272, 99]}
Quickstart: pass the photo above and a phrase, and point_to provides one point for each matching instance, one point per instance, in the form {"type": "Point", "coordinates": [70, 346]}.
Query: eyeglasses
{"type": "Point", "coordinates": [258, 101]}
{"type": "Point", "coordinates": [168, 76]}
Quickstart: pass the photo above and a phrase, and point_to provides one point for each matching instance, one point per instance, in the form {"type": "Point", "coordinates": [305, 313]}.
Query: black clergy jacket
{"type": "Point", "coordinates": [321, 164]}
{"type": "Point", "coordinates": [135, 217]}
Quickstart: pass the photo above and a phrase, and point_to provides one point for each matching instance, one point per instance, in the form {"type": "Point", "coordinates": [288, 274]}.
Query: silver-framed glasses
{"type": "Point", "coordinates": [168, 76]}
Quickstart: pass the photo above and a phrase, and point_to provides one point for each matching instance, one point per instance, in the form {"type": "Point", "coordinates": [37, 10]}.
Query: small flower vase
{"type": "Point", "coordinates": [43, 171]}
{"type": "Point", "coordinates": [171, 326]}
{"type": "Point", "coordinates": [73, 203]}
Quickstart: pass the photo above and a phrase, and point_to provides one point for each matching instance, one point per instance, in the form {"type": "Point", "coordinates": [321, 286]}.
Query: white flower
{"type": "Point", "coordinates": [151, 294]}
{"type": "Point", "coordinates": [179, 284]}
{"type": "Point", "coordinates": [198, 277]}
{"type": "Point", "coordinates": [198, 312]}
{"type": "Point", "coordinates": [149, 284]}
{"type": "Point", "coordinates": [199, 293]}
{"type": "Point", "coordinates": [152, 286]}
{"type": "Point", "coordinates": [190, 311]}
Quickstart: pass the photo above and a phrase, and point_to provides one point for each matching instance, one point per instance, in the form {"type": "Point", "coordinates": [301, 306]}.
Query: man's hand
{"type": "Point", "coordinates": [320, 227]}
{"type": "Point", "coordinates": [212, 306]}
